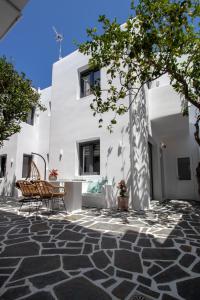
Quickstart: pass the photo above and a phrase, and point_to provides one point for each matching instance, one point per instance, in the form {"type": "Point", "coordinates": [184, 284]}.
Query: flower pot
{"type": "Point", "coordinates": [52, 177]}
{"type": "Point", "coordinates": [122, 202]}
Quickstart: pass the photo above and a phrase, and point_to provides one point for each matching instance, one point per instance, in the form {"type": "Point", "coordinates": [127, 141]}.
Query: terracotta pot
{"type": "Point", "coordinates": [52, 177]}
{"type": "Point", "coordinates": [122, 202]}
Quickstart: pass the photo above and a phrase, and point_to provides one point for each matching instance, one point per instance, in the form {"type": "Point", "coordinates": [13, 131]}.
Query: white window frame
{"type": "Point", "coordinates": [78, 144]}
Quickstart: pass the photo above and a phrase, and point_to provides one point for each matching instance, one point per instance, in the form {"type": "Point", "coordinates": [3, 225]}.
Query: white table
{"type": "Point", "coordinates": [73, 195]}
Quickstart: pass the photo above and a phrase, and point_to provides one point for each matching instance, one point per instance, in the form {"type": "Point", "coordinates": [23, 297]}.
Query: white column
{"type": "Point", "coordinates": [139, 173]}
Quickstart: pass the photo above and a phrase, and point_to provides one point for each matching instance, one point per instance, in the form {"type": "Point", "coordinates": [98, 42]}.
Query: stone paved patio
{"type": "Point", "coordinates": [101, 254]}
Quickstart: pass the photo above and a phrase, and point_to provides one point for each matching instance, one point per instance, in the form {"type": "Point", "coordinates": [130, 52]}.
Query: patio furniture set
{"type": "Point", "coordinates": [74, 194]}
{"type": "Point", "coordinates": [39, 192]}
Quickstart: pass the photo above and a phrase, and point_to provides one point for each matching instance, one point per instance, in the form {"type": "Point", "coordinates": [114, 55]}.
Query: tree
{"type": "Point", "coordinates": [161, 37]}
{"type": "Point", "coordinates": [17, 99]}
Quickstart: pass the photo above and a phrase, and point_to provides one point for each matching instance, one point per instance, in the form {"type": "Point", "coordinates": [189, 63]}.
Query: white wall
{"type": "Point", "coordinates": [30, 139]}
{"type": "Point", "coordinates": [164, 101]}
{"type": "Point", "coordinates": [177, 147]}
{"type": "Point", "coordinates": [10, 148]}
{"type": "Point", "coordinates": [72, 122]}
{"type": "Point", "coordinates": [171, 128]}
{"type": "Point", "coordinates": [44, 131]}
{"type": "Point", "coordinates": [155, 117]}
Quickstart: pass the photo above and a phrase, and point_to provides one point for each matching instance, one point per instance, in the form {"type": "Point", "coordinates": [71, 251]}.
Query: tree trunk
{"type": "Point", "coordinates": [197, 139]}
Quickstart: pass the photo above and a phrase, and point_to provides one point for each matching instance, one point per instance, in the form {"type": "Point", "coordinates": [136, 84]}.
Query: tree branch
{"type": "Point", "coordinates": [196, 134]}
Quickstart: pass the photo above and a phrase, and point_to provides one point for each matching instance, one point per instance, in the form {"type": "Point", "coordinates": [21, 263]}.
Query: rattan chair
{"type": "Point", "coordinates": [29, 192]}
{"type": "Point", "coordinates": [50, 193]}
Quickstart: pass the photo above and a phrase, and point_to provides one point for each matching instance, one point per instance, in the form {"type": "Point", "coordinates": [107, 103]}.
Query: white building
{"type": "Point", "coordinates": [155, 153]}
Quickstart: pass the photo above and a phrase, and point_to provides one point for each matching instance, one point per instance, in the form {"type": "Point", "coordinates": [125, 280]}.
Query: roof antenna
{"type": "Point", "coordinates": [59, 38]}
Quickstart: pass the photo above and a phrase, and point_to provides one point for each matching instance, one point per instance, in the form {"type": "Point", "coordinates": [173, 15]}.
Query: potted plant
{"type": "Point", "coordinates": [53, 174]}
{"type": "Point", "coordinates": [123, 196]}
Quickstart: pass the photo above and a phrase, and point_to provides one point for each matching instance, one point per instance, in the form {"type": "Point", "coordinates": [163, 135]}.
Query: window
{"type": "Point", "coordinates": [3, 159]}
{"type": "Point", "coordinates": [30, 117]}
{"type": "Point", "coordinates": [89, 79]}
{"type": "Point", "coordinates": [184, 172]}
{"type": "Point", "coordinates": [89, 158]}
{"type": "Point", "coordinates": [26, 165]}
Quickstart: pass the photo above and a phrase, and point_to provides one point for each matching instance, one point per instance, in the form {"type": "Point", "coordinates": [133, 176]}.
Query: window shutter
{"type": "Point", "coordinates": [184, 172]}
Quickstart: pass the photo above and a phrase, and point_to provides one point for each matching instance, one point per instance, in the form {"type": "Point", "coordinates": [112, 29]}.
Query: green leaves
{"type": "Point", "coordinates": [163, 37]}
{"type": "Point", "coordinates": [17, 98]}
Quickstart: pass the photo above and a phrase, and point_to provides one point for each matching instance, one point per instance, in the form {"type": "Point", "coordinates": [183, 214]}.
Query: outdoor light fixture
{"type": "Point", "coordinates": [61, 154]}
{"type": "Point", "coordinates": [11, 161]}
{"type": "Point", "coordinates": [163, 145]}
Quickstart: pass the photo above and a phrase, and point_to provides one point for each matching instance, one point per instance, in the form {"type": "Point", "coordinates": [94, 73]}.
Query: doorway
{"type": "Point", "coordinates": [150, 153]}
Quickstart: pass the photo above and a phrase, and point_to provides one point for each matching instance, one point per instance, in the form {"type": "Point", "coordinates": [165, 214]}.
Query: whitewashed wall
{"type": "Point", "coordinates": [72, 122]}
{"type": "Point", "coordinates": [156, 117]}
{"type": "Point", "coordinates": [30, 139]}
{"type": "Point", "coordinates": [10, 148]}
{"type": "Point", "coordinates": [177, 132]}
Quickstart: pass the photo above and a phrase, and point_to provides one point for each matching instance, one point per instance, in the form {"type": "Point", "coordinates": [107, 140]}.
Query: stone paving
{"type": "Point", "coordinates": [101, 254]}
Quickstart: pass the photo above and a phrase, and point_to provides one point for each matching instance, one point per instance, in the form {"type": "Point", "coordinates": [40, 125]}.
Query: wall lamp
{"type": "Point", "coordinates": [163, 145]}
{"type": "Point", "coordinates": [61, 154]}
{"type": "Point", "coordinates": [11, 161]}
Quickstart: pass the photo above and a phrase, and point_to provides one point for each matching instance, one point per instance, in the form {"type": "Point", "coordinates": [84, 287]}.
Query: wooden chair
{"type": "Point", "coordinates": [29, 192]}
{"type": "Point", "coordinates": [50, 193]}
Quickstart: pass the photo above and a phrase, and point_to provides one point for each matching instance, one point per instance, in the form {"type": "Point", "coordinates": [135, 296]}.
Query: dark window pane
{"type": "Point", "coordinates": [26, 165]}
{"type": "Point", "coordinates": [96, 78]}
{"type": "Point", "coordinates": [184, 172]}
{"type": "Point", "coordinates": [3, 159]}
{"type": "Point", "coordinates": [30, 118]}
{"type": "Point", "coordinates": [88, 79]}
{"type": "Point", "coordinates": [89, 158]}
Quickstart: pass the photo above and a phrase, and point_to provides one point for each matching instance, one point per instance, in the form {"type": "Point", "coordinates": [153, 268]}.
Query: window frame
{"type": "Point", "coordinates": [90, 73]}
{"type": "Point", "coordinates": [189, 178]}
{"type": "Point", "coordinates": [91, 144]}
{"type": "Point", "coordinates": [31, 158]}
{"type": "Point", "coordinates": [3, 174]}
{"type": "Point", "coordinates": [31, 117]}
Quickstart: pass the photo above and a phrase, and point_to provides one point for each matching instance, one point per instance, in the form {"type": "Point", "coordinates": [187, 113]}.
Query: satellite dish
{"type": "Point", "coordinates": [59, 38]}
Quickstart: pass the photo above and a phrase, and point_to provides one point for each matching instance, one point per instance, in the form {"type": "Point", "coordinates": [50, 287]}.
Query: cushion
{"type": "Point", "coordinates": [96, 186]}
{"type": "Point", "coordinates": [93, 187]}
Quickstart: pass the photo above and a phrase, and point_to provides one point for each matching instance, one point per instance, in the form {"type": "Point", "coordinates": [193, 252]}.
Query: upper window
{"type": "Point", "coordinates": [89, 158]}
{"type": "Point", "coordinates": [3, 159]}
{"type": "Point", "coordinates": [30, 117]}
{"type": "Point", "coordinates": [89, 79]}
{"type": "Point", "coordinates": [184, 172]}
{"type": "Point", "coordinates": [26, 165]}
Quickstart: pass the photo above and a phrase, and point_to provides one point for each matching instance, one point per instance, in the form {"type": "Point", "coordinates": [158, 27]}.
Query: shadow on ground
{"type": "Point", "coordinates": [101, 254]}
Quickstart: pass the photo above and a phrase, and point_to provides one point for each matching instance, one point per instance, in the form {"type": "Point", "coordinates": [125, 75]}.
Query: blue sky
{"type": "Point", "coordinates": [31, 44]}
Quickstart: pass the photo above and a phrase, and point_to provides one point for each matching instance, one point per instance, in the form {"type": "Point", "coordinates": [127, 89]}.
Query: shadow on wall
{"type": "Point", "coordinates": [109, 152]}
{"type": "Point", "coordinates": [121, 150]}
{"type": "Point", "coordinates": [138, 175]}
{"type": "Point", "coordinates": [138, 179]}
{"type": "Point", "coordinates": [108, 192]}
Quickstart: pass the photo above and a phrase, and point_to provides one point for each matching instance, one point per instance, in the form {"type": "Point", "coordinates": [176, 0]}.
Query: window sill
{"type": "Point", "coordinates": [88, 177]}
{"type": "Point", "coordinates": [86, 97]}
